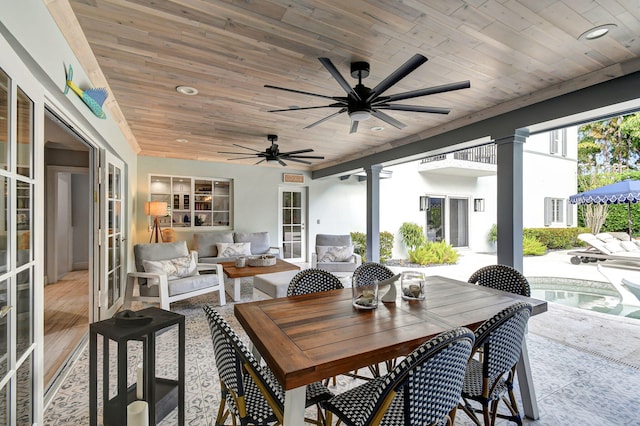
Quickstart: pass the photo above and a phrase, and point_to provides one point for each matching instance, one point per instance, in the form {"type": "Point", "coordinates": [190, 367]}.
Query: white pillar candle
{"type": "Point", "coordinates": [140, 382]}
{"type": "Point", "coordinates": [138, 414]}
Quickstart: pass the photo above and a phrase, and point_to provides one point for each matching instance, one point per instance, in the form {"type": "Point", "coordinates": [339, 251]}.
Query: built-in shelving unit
{"type": "Point", "coordinates": [193, 201]}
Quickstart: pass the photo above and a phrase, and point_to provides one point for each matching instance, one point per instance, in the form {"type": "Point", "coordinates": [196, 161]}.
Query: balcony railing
{"type": "Point", "coordinates": [480, 154]}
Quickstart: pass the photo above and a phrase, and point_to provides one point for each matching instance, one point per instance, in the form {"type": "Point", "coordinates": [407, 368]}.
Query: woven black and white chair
{"type": "Point", "coordinates": [366, 273]}
{"type": "Point", "coordinates": [501, 277]}
{"type": "Point", "coordinates": [250, 391]}
{"type": "Point", "coordinates": [313, 280]}
{"type": "Point", "coordinates": [422, 390]}
{"type": "Point", "coordinates": [490, 380]}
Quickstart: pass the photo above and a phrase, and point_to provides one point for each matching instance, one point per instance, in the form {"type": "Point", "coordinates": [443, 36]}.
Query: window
{"type": "Point", "coordinates": [193, 201]}
{"type": "Point", "coordinates": [558, 141]}
{"type": "Point", "coordinates": [553, 210]}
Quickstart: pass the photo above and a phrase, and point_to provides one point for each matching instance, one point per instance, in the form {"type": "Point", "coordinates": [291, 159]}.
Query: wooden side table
{"type": "Point", "coordinates": [162, 394]}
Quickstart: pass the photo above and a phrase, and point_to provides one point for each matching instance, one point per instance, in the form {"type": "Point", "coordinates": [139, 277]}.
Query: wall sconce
{"type": "Point", "coordinates": [424, 203]}
{"type": "Point", "coordinates": [478, 204]}
{"type": "Point", "coordinates": [155, 209]}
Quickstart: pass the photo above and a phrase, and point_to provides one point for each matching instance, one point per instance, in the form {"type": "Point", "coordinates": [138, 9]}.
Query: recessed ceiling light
{"type": "Point", "coordinates": [187, 90]}
{"type": "Point", "coordinates": [596, 32]}
{"type": "Point", "coordinates": [182, 140]}
{"type": "Point", "coordinates": [377, 128]}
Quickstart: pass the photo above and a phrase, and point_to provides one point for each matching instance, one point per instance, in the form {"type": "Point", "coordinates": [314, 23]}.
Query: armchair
{"type": "Point", "coordinates": [334, 253]}
{"type": "Point", "coordinates": [168, 272]}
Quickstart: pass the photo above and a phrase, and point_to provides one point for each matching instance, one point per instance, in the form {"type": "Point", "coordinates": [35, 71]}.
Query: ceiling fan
{"type": "Point", "coordinates": [273, 154]}
{"type": "Point", "coordinates": [362, 102]}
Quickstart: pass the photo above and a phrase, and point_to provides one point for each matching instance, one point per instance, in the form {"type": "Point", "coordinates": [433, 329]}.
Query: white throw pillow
{"type": "Point", "coordinates": [174, 268]}
{"type": "Point", "coordinates": [334, 253]}
{"type": "Point", "coordinates": [233, 249]}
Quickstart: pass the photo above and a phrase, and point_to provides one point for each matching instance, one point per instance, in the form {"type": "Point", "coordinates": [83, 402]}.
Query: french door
{"type": "Point", "coordinates": [292, 219]}
{"type": "Point", "coordinates": [459, 222]}
{"type": "Point", "coordinates": [112, 235]}
{"type": "Point", "coordinates": [21, 125]}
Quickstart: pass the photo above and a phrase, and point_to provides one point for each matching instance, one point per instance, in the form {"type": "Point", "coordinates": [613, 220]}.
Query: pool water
{"type": "Point", "coordinates": [595, 296]}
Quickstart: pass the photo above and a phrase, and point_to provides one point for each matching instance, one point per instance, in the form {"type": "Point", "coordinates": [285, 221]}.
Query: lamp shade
{"type": "Point", "coordinates": [155, 208]}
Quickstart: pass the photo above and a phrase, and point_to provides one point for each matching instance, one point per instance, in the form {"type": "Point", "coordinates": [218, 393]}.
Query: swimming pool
{"type": "Point", "coordinates": [595, 296]}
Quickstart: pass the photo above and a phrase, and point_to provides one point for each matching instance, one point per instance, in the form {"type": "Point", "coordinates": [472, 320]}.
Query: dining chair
{"type": "Point", "coordinates": [313, 280]}
{"type": "Point", "coordinates": [250, 391]}
{"type": "Point", "coordinates": [365, 275]}
{"type": "Point", "coordinates": [489, 380]}
{"type": "Point", "coordinates": [423, 389]}
{"type": "Point", "coordinates": [501, 277]}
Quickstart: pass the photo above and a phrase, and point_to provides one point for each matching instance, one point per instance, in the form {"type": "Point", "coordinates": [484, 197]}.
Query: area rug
{"type": "Point", "coordinates": [573, 387]}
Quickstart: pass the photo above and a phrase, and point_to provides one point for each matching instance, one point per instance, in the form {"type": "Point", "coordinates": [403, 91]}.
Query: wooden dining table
{"type": "Point", "coordinates": [311, 337]}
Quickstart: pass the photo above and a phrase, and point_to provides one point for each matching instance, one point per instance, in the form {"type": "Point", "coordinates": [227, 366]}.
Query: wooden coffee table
{"type": "Point", "coordinates": [236, 274]}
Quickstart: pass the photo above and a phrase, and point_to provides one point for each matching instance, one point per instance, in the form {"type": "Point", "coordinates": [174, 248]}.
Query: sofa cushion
{"type": "Point", "coordinates": [182, 285]}
{"type": "Point", "coordinates": [333, 240]}
{"type": "Point", "coordinates": [174, 268]}
{"type": "Point", "coordinates": [260, 242]}
{"type": "Point", "coordinates": [234, 249]}
{"type": "Point", "coordinates": [158, 251]}
{"type": "Point", "coordinates": [334, 253]}
{"type": "Point", "coordinates": [205, 242]}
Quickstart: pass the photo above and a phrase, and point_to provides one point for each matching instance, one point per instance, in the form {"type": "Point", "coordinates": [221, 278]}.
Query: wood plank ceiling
{"type": "Point", "coordinates": [512, 51]}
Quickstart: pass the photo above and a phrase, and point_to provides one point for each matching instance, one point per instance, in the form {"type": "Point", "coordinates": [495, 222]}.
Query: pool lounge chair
{"type": "Point", "coordinates": [627, 283]}
{"type": "Point", "coordinates": [606, 246]}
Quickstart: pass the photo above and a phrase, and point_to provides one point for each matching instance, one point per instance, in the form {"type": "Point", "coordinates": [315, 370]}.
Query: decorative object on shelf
{"type": "Point", "coordinates": [390, 295]}
{"type": "Point", "coordinates": [365, 296]}
{"type": "Point", "coordinates": [412, 284]}
{"type": "Point", "coordinates": [262, 260]}
{"type": "Point", "coordinates": [155, 209]}
{"type": "Point", "coordinates": [93, 98]}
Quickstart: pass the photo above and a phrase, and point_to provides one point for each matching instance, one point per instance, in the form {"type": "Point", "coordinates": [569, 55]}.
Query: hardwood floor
{"type": "Point", "coordinates": [66, 319]}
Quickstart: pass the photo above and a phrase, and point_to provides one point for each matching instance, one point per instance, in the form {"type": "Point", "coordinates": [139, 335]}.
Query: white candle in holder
{"type": "Point", "coordinates": [138, 413]}
{"type": "Point", "coordinates": [140, 382]}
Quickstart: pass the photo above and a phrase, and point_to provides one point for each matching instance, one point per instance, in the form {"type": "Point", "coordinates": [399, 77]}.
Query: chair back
{"type": "Point", "coordinates": [365, 274]}
{"type": "Point", "coordinates": [313, 280]}
{"type": "Point", "coordinates": [431, 377]}
{"type": "Point", "coordinates": [502, 277]}
{"type": "Point", "coordinates": [333, 240]}
{"type": "Point", "coordinates": [157, 251]}
{"type": "Point", "coordinates": [500, 338]}
{"type": "Point", "coordinates": [231, 356]}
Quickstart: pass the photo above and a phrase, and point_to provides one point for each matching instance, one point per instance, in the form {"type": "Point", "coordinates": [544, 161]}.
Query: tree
{"type": "Point", "coordinates": [612, 141]}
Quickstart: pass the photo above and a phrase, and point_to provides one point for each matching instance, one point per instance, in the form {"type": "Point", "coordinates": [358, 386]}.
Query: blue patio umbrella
{"type": "Point", "coordinates": [624, 192]}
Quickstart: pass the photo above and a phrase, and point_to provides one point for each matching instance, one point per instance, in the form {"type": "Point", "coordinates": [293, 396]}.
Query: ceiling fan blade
{"type": "Point", "coordinates": [261, 161]}
{"type": "Point", "coordinates": [414, 108]}
{"type": "Point", "coordinates": [268, 86]}
{"type": "Point", "coordinates": [388, 119]}
{"type": "Point", "coordinates": [404, 70]}
{"type": "Point", "coordinates": [282, 163]}
{"type": "Point", "coordinates": [354, 126]}
{"type": "Point", "coordinates": [314, 157]}
{"type": "Point", "coordinates": [300, 151]}
{"type": "Point", "coordinates": [424, 92]}
{"type": "Point", "coordinates": [299, 161]}
{"type": "Point", "coordinates": [235, 153]}
{"type": "Point", "coordinates": [241, 158]}
{"type": "Point", "coordinates": [338, 105]}
{"type": "Point", "coordinates": [339, 78]}
{"type": "Point", "coordinates": [328, 117]}
{"type": "Point", "coordinates": [246, 147]}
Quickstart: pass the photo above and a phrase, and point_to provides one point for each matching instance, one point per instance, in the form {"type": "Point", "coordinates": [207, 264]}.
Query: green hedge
{"type": "Point", "coordinates": [556, 238]}
{"type": "Point", "coordinates": [360, 245]}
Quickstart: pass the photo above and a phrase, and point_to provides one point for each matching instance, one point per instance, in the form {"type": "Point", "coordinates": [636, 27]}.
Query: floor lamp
{"type": "Point", "coordinates": [155, 209]}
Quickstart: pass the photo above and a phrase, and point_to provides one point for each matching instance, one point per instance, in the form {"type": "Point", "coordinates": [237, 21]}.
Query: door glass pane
{"type": "Point", "coordinates": [23, 222]}
{"type": "Point", "coordinates": [4, 120]}
{"type": "Point", "coordinates": [4, 254]}
{"type": "Point", "coordinates": [4, 406]}
{"type": "Point", "coordinates": [4, 337]}
{"type": "Point", "coordinates": [297, 199]}
{"type": "Point", "coordinates": [435, 229]}
{"type": "Point", "coordinates": [286, 199]}
{"type": "Point", "coordinates": [24, 409]}
{"type": "Point", "coordinates": [24, 311]}
{"type": "Point", "coordinates": [458, 222]}
{"type": "Point", "coordinates": [117, 216]}
{"type": "Point", "coordinates": [25, 133]}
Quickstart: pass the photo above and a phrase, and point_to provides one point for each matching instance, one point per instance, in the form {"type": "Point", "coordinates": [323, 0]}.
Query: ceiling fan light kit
{"type": "Point", "coordinates": [363, 102]}
{"type": "Point", "coordinates": [273, 155]}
